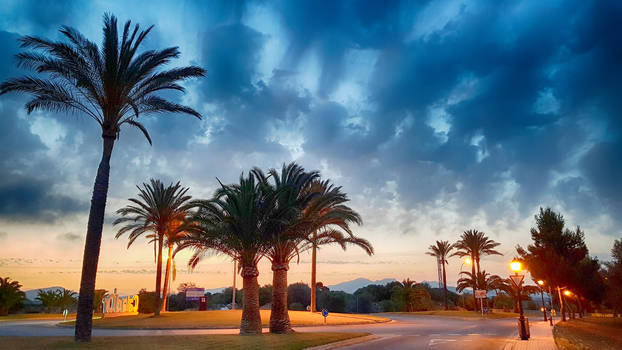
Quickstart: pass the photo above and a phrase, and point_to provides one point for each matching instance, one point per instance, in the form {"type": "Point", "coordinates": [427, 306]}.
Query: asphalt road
{"type": "Point", "coordinates": [404, 332]}
{"type": "Point", "coordinates": [429, 332]}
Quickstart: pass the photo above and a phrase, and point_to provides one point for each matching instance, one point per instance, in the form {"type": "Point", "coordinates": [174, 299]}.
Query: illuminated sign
{"type": "Point", "coordinates": [115, 304]}
{"type": "Point", "coordinates": [195, 294]}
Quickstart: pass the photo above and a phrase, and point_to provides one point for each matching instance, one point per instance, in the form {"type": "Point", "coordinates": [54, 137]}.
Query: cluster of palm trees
{"type": "Point", "coordinates": [474, 245]}
{"type": "Point", "coordinates": [276, 215]}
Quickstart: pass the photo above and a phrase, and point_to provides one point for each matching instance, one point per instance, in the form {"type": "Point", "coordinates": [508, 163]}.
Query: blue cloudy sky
{"type": "Point", "coordinates": [435, 116]}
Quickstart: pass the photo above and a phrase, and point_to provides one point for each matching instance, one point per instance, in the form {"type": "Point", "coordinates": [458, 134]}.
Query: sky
{"type": "Point", "coordinates": [435, 117]}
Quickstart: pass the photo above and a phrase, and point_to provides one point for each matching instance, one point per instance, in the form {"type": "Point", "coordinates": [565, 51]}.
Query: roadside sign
{"type": "Point", "coordinates": [195, 294]}
{"type": "Point", "coordinates": [325, 314]}
{"type": "Point", "coordinates": [480, 294]}
{"type": "Point", "coordinates": [517, 279]}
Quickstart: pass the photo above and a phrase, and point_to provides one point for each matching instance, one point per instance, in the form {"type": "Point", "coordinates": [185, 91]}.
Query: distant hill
{"type": "Point", "coordinates": [352, 286]}
{"type": "Point", "coordinates": [32, 293]}
{"type": "Point", "coordinates": [435, 284]}
{"type": "Point", "coordinates": [217, 290]}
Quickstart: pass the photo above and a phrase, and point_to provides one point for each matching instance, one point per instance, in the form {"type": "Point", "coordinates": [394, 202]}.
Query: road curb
{"type": "Point", "coordinates": [346, 342]}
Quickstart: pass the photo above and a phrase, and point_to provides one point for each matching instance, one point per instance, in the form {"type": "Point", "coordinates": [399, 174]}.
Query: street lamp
{"type": "Point", "coordinates": [517, 279]}
{"type": "Point", "coordinates": [541, 283]}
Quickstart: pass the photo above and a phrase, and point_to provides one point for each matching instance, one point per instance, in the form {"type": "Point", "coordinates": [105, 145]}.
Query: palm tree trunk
{"type": "Point", "coordinates": [159, 276]}
{"type": "Point", "coordinates": [474, 275]}
{"type": "Point", "coordinates": [313, 274]}
{"type": "Point", "coordinates": [445, 285]}
{"type": "Point", "coordinates": [251, 318]}
{"type": "Point", "coordinates": [84, 317]}
{"type": "Point", "coordinates": [279, 317]}
{"type": "Point", "coordinates": [167, 277]}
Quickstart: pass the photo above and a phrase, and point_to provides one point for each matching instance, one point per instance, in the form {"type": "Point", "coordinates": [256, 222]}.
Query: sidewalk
{"type": "Point", "coordinates": [541, 338]}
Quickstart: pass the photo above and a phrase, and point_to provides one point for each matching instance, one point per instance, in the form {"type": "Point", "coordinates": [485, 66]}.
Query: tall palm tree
{"type": "Point", "coordinates": [237, 222]}
{"type": "Point", "coordinates": [441, 251]}
{"type": "Point", "coordinates": [331, 212]}
{"type": "Point", "coordinates": [290, 189]}
{"type": "Point", "coordinates": [173, 236]}
{"type": "Point", "coordinates": [475, 244]}
{"type": "Point", "coordinates": [158, 210]}
{"type": "Point", "coordinates": [468, 246]}
{"type": "Point", "coordinates": [315, 206]}
{"type": "Point", "coordinates": [509, 287]}
{"type": "Point", "coordinates": [113, 86]}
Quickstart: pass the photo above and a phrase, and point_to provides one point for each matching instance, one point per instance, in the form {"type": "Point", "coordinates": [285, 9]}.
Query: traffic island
{"type": "Point", "coordinates": [219, 319]}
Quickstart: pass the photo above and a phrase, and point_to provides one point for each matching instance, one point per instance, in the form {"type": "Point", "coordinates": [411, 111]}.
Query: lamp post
{"type": "Point", "coordinates": [541, 283]}
{"type": "Point", "coordinates": [570, 312]}
{"type": "Point", "coordinates": [518, 282]}
{"type": "Point", "coordinates": [562, 309]}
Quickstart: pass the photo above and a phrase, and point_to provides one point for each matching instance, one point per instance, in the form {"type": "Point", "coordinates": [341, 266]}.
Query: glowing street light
{"type": "Point", "coordinates": [567, 293]}
{"type": "Point", "coordinates": [466, 261]}
{"type": "Point", "coordinates": [517, 279]}
{"type": "Point", "coordinates": [543, 308]}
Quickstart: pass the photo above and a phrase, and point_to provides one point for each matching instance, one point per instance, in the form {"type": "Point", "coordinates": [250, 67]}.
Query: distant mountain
{"type": "Point", "coordinates": [216, 290]}
{"type": "Point", "coordinates": [33, 293]}
{"type": "Point", "coordinates": [352, 286]}
{"type": "Point", "coordinates": [435, 284]}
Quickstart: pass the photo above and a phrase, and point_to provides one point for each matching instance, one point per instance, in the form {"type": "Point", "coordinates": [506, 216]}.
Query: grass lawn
{"type": "Point", "coordinates": [37, 316]}
{"type": "Point", "coordinates": [589, 333]}
{"type": "Point", "coordinates": [229, 342]}
{"type": "Point", "coordinates": [225, 319]}
{"type": "Point", "coordinates": [453, 313]}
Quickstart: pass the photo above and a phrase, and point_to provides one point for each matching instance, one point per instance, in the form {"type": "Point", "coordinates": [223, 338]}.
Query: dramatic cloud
{"type": "Point", "coordinates": [436, 116]}
{"type": "Point", "coordinates": [69, 236]}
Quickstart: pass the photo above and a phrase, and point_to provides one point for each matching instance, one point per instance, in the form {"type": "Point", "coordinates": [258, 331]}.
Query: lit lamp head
{"type": "Point", "coordinates": [567, 293]}
{"type": "Point", "coordinates": [541, 282]}
{"type": "Point", "coordinates": [515, 266]}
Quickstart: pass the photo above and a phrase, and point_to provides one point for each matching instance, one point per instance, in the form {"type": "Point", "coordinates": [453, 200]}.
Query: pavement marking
{"type": "Point", "coordinates": [439, 341]}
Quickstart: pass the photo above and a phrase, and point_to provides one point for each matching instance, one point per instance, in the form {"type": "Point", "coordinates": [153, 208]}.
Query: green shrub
{"type": "Point", "coordinates": [296, 307]}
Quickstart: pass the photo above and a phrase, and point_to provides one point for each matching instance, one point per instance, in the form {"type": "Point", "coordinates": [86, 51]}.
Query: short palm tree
{"type": "Point", "coordinates": [441, 251]}
{"type": "Point", "coordinates": [10, 295]}
{"type": "Point", "coordinates": [113, 86]}
{"type": "Point", "coordinates": [158, 210]}
{"type": "Point", "coordinates": [236, 222]}
{"type": "Point", "coordinates": [484, 281]}
{"type": "Point", "coordinates": [408, 291]}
